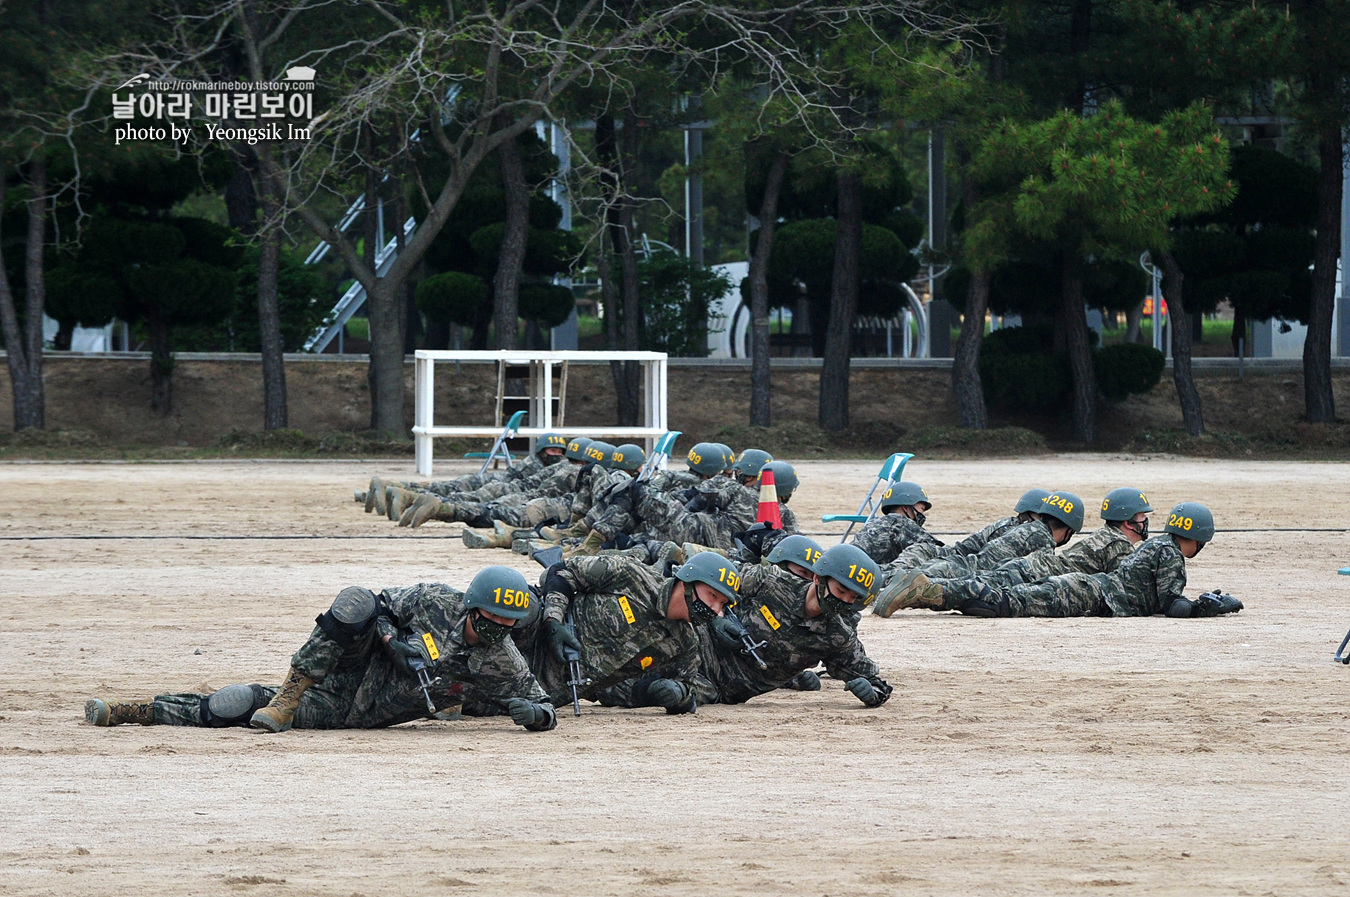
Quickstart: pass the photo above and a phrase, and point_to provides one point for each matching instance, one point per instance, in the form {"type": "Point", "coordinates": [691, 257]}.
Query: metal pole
{"type": "Point", "coordinates": [693, 196]}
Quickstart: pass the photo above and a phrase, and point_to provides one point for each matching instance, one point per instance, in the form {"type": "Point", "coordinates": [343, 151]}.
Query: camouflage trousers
{"type": "Point", "coordinates": [355, 688]}
{"type": "Point", "coordinates": [473, 482]}
{"type": "Point", "coordinates": [1070, 595]}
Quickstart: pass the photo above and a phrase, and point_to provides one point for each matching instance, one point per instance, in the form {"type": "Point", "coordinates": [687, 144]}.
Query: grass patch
{"type": "Point", "coordinates": [876, 439]}
{"type": "Point", "coordinates": [958, 442]}
{"type": "Point", "coordinates": [1299, 439]}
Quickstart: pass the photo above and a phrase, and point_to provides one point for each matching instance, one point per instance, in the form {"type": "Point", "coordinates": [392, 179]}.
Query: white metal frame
{"type": "Point", "coordinates": [541, 406]}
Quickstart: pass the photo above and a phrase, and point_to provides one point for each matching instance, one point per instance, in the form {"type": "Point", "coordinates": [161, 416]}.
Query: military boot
{"type": "Point", "coordinates": [587, 548]}
{"type": "Point", "coordinates": [917, 591]}
{"type": "Point", "coordinates": [114, 713]}
{"type": "Point", "coordinates": [420, 511]}
{"type": "Point", "coordinates": [578, 530]}
{"type": "Point", "coordinates": [397, 499]}
{"type": "Point", "coordinates": [885, 603]}
{"type": "Point", "coordinates": [689, 549]}
{"type": "Point", "coordinates": [375, 496]}
{"type": "Point", "coordinates": [665, 559]}
{"type": "Point", "coordinates": [359, 496]}
{"type": "Point", "coordinates": [280, 712]}
{"type": "Point", "coordinates": [495, 539]}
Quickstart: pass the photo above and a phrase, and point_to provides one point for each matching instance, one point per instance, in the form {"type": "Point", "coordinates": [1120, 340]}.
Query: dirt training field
{"type": "Point", "coordinates": [1018, 756]}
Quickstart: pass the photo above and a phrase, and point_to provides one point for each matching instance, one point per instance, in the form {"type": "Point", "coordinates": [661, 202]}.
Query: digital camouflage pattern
{"type": "Point", "coordinates": [1100, 552]}
{"type": "Point", "coordinates": [1017, 542]}
{"type": "Point", "coordinates": [920, 552]}
{"type": "Point", "coordinates": [619, 611]}
{"type": "Point", "coordinates": [731, 508]}
{"type": "Point", "coordinates": [524, 469]}
{"type": "Point", "coordinates": [885, 536]}
{"type": "Point", "coordinates": [772, 607]}
{"type": "Point", "coordinates": [1147, 581]}
{"type": "Point", "coordinates": [357, 687]}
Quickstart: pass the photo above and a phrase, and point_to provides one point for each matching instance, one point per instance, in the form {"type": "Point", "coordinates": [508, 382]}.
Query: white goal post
{"type": "Point", "coordinates": [541, 417]}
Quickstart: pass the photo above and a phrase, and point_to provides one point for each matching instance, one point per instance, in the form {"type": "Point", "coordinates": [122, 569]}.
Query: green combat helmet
{"type": "Point", "coordinates": [851, 566]}
{"type": "Point", "coordinates": [1122, 504]}
{"type": "Point", "coordinates": [750, 463]}
{"type": "Point", "coordinates": [1065, 507]}
{"type": "Point", "coordinates": [904, 494]}
{"type": "Point", "coordinates": [1191, 520]}
{"type": "Point", "coordinates": [785, 480]}
{"type": "Point", "coordinates": [728, 456]}
{"type": "Point", "coordinates": [628, 457]}
{"type": "Point", "coordinates": [1031, 500]}
{"type": "Point", "coordinates": [796, 549]}
{"type": "Point", "coordinates": [550, 440]}
{"type": "Point", "coordinates": [576, 449]}
{"type": "Point", "coordinates": [501, 591]}
{"type": "Point", "coordinates": [705, 458]}
{"type": "Point", "coordinates": [712, 569]}
{"type": "Point", "coordinates": [601, 453]}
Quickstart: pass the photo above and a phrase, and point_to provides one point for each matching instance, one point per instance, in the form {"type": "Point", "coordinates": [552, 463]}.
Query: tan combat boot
{"type": "Point", "coordinates": [500, 537]}
{"type": "Point", "coordinates": [419, 512]}
{"type": "Point", "coordinates": [590, 547]}
{"type": "Point", "coordinates": [692, 548]}
{"type": "Point", "coordinates": [396, 501]}
{"type": "Point", "coordinates": [277, 715]}
{"type": "Point", "coordinates": [375, 496]}
{"type": "Point", "coordinates": [114, 713]}
{"type": "Point", "coordinates": [914, 589]}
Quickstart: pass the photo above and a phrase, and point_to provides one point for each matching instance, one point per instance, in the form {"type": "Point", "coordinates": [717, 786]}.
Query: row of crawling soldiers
{"type": "Point", "coordinates": [590, 496]}
{"type": "Point", "coordinates": [1011, 568]}
{"type": "Point", "coordinates": [709, 631]}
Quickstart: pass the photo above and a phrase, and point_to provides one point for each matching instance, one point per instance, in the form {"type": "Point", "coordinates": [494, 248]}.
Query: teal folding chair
{"type": "Point", "coordinates": [890, 472]}
{"type": "Point", "coordinates": [660, 452]}
{"type": "Point", "coordinates": [499, 451]}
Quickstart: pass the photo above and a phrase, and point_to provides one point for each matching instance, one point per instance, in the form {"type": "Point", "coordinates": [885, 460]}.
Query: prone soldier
{"type": "Point", "coordinates": [898, 523]}
{"type": "Point", "coordinates": [359, 667]}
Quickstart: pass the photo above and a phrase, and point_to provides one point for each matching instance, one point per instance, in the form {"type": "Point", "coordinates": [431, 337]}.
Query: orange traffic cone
{"type": "Point", "coordinates": [768, 501]}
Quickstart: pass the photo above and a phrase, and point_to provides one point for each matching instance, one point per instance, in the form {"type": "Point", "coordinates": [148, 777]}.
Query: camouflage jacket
{"type": "Point", "coordinates": [486, 676]}
{"type": "Point", "coordinates": [772, 607]}
{"type": "Point", "coordinates": [592, 488]}
{"type": "Point", "coordinates": [1148, 580]}
{"type": "Point", "coordinates": [619, 609]}
{"type": "Point", "coordinates": [730, 509]}
{"type": "Point", "coordinates": [670, 481]}
{"type": "Point", "coordinates": [789, 518]}
{"type": "Point", "coordinates": [555, 480]}
{"type": "Point", "coordinates": [1017, 542]}
{"type": "Point", "coordinates": [886, 535]}
{"type": "Point", "coordinates": [1100, 552]}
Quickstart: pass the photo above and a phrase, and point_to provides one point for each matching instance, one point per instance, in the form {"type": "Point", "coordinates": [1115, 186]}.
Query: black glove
{"type": "Point", "coordinates": [402, 654]}
{"type": "Point", "coordinates": [806, 680]}
{"type": "Point", "coordinates": [559, 639]}
{"type": "Point", "coordinates": [1216, 603]}
{"type": "Point", "coordinates": [688, 494]}
{"type": "Point", "coordinates": [753, 538]}
{"type": "Point", "coordinates": [870, 693]}
{"type": "Point", "coordinates": [727, 631]}
{"type": "Point", "coordinates": [637, 491]}
{"type": "Point", "coordinates": [700, 502]}
{"type": "Point", "coordinates": [525, 712]}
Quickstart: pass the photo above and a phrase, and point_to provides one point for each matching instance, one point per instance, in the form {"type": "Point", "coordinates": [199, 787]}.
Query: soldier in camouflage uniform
{"type": "Point", "coordinates": [393, 499]}
{"type": "Point", "coordinates": [633, 628]}
{"type": "Point", "coordinates": [1061, 515]}
{"type": "Point", "coordinates": [898, 523]}
{"type": "Point", "coordinates": [1125, 512]}
{"type": "Point", "coordinates": [1025, 509]}
{"type": "Point", "coordinates": [1150, 580]}
{"type": "Point", "coordinates": [782, 609]}
{"type": "Point", "coordinates": [359, 669]}
{"type": "Point", "coordinates": [710, 514]}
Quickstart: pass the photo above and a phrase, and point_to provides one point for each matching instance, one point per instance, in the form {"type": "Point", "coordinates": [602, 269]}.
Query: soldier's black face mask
{"type": "Point", "coordinates": [700, 614]}
{"type": "Point", "coordinates": [490, 632]}
{"type": "Point", "coordinates": [830, 605]}
{"type": "Point", "coordinates": [919, 517]}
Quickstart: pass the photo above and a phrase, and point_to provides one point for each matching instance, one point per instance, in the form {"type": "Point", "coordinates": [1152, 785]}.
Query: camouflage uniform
{"type": "Point", "coordinates": [731, 509]}
{"type": "Point", "coordinates": [524, 469]}
{"type": "Point", "coordinates": [619, 611]}
{"type": "Point", "coordinates": [885, 536]}
{"type": "Point", "coordinates": [357, 687]}
{"type": "Point", "coordinates": [772, 608]}
{"type": "Point", "coordinates": [1147, 581]}
{"type": "Point", "coordinates": [1017, 542]}
{"type": "Point", "coordinates": [1100, 552]}
{"type": "Point", "coordinates": [920, 552]}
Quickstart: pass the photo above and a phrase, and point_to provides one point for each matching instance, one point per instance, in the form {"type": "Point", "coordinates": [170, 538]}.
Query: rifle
{"type": "Point", "coordinates": [749, 647]}
{"type": "Point", "coordinates": [423, 679]}
{"type": "Point", "coordinates": [547, 557]}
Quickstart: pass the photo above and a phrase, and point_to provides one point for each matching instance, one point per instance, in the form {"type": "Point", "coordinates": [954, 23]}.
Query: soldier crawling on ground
{"type": "Point", "coordinates": [359, 667]}
{"type": "Point", "coordinates": [1125, 512]}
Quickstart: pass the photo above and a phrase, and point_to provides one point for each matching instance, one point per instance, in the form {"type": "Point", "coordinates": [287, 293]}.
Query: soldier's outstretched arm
{"type": "Point", "coordinates": [849, 661]}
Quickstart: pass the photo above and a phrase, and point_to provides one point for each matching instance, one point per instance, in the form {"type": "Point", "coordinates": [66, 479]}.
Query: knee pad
{"type": "Point", "coordinates": [233, 705]}
{"type": "Point", "coordinates": [353, 612]}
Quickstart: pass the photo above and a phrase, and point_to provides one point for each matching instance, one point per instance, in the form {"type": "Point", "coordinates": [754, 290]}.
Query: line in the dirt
{"type": "Point", "coordinates": [454, 535]}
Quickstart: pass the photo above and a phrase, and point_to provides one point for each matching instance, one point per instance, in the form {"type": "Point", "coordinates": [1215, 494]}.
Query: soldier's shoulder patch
{"type": "Point", "coordinates": [769, 617]}
{"type": "Point", "coordinates": [627, 610]}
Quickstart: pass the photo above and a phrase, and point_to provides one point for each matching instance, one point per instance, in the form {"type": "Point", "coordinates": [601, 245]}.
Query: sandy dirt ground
{"type": "Point", "coordinates": [1024, 756]}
